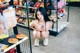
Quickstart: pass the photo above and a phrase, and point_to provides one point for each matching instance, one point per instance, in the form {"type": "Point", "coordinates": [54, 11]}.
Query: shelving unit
{"type": "Point", "coordinates": [25, 29]}
{"type": "Point", "coordinates": [23, 45]}
{"type": "Point", "coordinates": [60, 24]}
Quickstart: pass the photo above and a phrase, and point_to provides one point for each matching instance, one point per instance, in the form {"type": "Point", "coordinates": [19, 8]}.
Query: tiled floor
{"type": "Point", "coordinates": [68, 41]}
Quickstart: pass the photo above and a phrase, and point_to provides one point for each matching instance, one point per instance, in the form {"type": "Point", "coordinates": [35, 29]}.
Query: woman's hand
{"type": "Point", "coordinates": [40, 28]}
{"type": "Point", "coordinates": [43, 28]}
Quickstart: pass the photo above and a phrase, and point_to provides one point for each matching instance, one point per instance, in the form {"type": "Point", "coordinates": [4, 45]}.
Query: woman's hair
{"type": "Point", "coordinates": [43, 12]}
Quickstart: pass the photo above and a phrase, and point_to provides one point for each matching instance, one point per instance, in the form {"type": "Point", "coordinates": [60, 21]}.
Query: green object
{"type": "Point", "coordinates": [4, 36]}
{"type": "Point", "coordinates": [73, 0]}
{"type": "Point", "coordinates": [30, 20]}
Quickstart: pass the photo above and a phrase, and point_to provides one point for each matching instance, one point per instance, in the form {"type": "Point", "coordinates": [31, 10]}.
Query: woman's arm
{"type": "Point", "coordinates": [32, 26]}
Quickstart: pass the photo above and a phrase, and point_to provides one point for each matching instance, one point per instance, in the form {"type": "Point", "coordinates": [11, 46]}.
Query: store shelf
{"type": "Point", "coordinates": [22, 25]}
{"type": "Point", "coordinates": [25, 17]}
{"type": "Point", "coordinates": [3, 3]}
{"type": "Point", "coordinates": [23, 45]}
{"type": "Point", "coordinates": [61, 26]}
{"type": "Point", "coordinates": [18, 6]}
{"type": "Point", "coordinates": [14, 45]}
{"type": "Point", "coordinates": [10, 46]}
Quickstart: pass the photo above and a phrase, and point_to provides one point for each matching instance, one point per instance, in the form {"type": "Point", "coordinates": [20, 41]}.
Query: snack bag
{"type": "Point", "coordinates": [10, 17]}
{"type": "Point", "coordinates": [61, 3]}
{"type": "Point", "coordinates": [3, 29]}
{"type": "Point", "coordinates": [3, 25]}
{"type": "Point", "coordinates": [38, 4]}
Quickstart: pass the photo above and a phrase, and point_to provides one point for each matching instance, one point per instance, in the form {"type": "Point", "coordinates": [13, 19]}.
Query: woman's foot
{"type": "Point", "coordinates": [36, 42]}
{"type": "Point", "coordinates": [45, 42]}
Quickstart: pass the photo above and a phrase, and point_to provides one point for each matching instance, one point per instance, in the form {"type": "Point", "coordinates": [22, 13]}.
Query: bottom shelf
{"type": "Point", "coordinates": [61, 26]}
{"type": "Point", "coordinates": [10, 46]}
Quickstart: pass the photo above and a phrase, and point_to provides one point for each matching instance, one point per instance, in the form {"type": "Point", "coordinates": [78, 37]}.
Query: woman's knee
{"type": "Point", "coordinates": [45, 34]}
{"type": "Point", "coordinates": [36, 34]}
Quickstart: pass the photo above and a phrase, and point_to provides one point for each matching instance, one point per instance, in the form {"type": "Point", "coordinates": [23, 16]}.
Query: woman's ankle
{"type": "Point", "coordinates": [45, 42]}
{"type": "Point", "coordinates": [36, 42]}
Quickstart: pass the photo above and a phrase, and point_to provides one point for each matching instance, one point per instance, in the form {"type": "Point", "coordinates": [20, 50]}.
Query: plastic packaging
{"type": "Point", "coordinates": [3, 29]}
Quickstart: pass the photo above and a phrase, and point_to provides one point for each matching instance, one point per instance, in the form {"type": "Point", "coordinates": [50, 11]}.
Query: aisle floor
{"type": "Point", "coordinates": [68, 41]}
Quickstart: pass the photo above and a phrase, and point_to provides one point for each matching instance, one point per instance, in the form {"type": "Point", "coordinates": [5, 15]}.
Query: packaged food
{"type": "Point", "coordinates": [10, 17]}
{"type": "Point", "coordinates": [20, 36]}
{"type": "Point", "coordinates": [3, 27]}
{"type": "Point", "coordinates": [12, 40]}
{"type": "Point", "coordinates": [3, 47]}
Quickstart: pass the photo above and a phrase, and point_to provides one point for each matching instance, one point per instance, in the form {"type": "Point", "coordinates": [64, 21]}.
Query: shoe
{"type": "Point", "coordinates": [36, 42]}
{"type": "Point", "coordinates": [45, 42]}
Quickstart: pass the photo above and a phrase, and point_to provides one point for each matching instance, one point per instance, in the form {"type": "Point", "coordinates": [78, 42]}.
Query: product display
{"type": "Point", "coordinates": [3, 27]}
{"type": "Point", "coordinates": [20, 36]}
{"type": "Point", "coordinates": [10, 19]}
{"type": "Point", "coordinates": [12, 13]}
{"type": "Point", "coordinates": [18, 18]}
{"type": "Point", "coordinates": [59, 16]}
{"type": "Point", "coordinates": [39, 4]}
{"type": "Point", "coordinates": [16, 2]}
{"type": "Point", "coordinates": [53, 17]}
{"type": "Point", "coordinates": [12, 40]}
{"type": "Point", "coordinates": [2, 36]}
{"type": "Point", "coordinates": [1, 1]}
{"type": "Point", "coordinates": [3, 47]}
{"type": "Point", "coordinates": [4, 3]}
{"type": "Point", "coordinates": [21, 14]}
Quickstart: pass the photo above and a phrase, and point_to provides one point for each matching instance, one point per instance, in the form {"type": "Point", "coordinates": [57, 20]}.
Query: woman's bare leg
{"type": "Point", "coordinates": [45, 35]}
{"type": "Point", "coordinates": [36, 36]}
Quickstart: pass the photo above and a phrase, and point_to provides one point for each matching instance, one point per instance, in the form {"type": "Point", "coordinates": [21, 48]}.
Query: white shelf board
{"type": "Point", "coordinates": [22, 25]}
